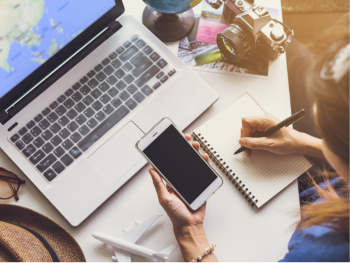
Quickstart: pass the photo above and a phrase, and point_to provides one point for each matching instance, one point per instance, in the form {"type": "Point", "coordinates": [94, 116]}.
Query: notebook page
{"type": "Point", "coordinates": [264, 174]}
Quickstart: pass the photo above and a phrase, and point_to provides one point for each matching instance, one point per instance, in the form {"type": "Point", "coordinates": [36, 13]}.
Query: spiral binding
{"type": "Point", "coordinates": [225, 169]}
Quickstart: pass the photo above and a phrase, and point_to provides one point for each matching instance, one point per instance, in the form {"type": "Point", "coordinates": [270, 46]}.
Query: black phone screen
{"type": "Point", "coordinates": [180, 164]}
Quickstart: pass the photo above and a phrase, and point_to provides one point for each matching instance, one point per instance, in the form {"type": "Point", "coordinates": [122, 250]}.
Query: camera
{"type": "Point", "coordinates": [251, 27]}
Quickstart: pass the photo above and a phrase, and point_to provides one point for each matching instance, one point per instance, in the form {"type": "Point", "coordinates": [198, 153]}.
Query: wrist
{"type": "Point", "coordinates": [309, 145]}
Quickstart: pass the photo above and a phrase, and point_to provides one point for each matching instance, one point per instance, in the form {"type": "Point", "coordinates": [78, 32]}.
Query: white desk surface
{"type": "Point", "coordinates": [241, 233]}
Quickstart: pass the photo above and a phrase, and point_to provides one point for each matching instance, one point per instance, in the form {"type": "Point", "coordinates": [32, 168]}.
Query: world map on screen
{"type": "Point", "coordinates": [32, 31]}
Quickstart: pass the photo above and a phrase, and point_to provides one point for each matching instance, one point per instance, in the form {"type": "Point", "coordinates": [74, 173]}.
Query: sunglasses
{"type": "Point", "coordinates": [9, 184]}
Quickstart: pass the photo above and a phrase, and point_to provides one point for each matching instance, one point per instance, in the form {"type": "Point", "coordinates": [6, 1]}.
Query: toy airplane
{"type": "Point", "coordinates": [124, 245]}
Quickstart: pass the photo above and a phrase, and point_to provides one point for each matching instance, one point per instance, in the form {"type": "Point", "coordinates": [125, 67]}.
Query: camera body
{"type": "Point", "coordinates": [251, 27]}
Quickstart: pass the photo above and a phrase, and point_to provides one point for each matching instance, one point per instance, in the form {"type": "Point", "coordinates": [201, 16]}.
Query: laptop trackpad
{"type": "Point", "coordinates": [117, 155]}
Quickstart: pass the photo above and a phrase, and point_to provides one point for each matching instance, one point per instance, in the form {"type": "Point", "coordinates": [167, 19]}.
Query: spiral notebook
{"type": "Point", "coordinates": [259, 177]}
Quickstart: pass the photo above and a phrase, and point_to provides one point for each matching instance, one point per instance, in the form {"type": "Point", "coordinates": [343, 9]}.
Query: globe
{"type": "Point", "coordinates": [169, 20]}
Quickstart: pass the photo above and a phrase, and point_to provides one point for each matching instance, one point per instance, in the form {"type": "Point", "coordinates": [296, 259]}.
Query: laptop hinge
{"type": "Point", "coordinates": [114, 26]}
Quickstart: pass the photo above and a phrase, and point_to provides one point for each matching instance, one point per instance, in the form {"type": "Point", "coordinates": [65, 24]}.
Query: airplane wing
{"type": "Point", "coordinates": [135, 233]}
{"type": "Point", "coordinates": [121, 255]}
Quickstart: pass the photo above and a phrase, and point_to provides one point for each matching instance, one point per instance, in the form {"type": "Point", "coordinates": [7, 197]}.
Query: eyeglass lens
{"type": "Point", "coordinates": [9, 185]}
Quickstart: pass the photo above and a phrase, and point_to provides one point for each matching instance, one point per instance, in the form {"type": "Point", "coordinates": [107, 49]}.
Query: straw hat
{"type": "Point", "coordinates": [26, 235]}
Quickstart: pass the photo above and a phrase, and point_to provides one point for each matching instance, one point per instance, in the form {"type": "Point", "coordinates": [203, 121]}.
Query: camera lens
{"type": "Point", "coordinates": [235, 41]}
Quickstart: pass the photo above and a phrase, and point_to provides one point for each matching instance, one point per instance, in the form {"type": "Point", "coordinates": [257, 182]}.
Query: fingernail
{"type": "Point", "coordinates": [242, 142]}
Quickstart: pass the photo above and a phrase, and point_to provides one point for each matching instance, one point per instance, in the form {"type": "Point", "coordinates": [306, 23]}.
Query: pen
{"type": "Point", "coordinates": [290, 120]}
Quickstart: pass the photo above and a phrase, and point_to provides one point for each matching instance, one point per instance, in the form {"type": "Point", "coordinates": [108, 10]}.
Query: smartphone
{"type": "Point", "coordinates": [180, 165]}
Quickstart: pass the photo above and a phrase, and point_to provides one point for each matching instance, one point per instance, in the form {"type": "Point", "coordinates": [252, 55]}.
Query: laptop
{"type": "Point", "coordinates": [80, 84]}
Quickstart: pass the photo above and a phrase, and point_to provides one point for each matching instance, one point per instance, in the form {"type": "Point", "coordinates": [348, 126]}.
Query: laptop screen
{"type": "Point", "coordinates": [32, 31]}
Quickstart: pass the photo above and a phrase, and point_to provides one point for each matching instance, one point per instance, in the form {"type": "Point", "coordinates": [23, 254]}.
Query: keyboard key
{"type": "Point", "coordinates": [64, 133]}
{"type": "Point", "coordinates": [120, 50]}
{"type": "Point", "coordinates": [116, 63]}
{"type": "Point", "coordinates": [146, 90]}
{"type": "Point", "coordinates": [165, 78]}
{"type": "Point", "coordinates": [96, 93]}
{"type": "Point", "coordinates": [134, 38]}
{"type": "Point", "coordinates": [67, 144]}
{"type": "Point", "coordinates": [92, 123]}
{"type": "Point", "coordinates": [27, 138]}
{"type": "Point", "coordinates": [29, 150]}
{"type": "Point", "coordinates": [105, 62]}
{"type": "Point", "coordinates": [124, 95]}
{"type": "Point", "coordinates": [113, 92]}
{"type": "Point", "coordinates": [113, 55]}
{"type": "Point", "coordinates": [154, 56]}
{"type": "Point", "coordinates": [111, 80]}
{"type": "Point", "coordinates": [63, 121]}
{"type": "Point", "coordinates": [91, 73]}
{"type": "Point", "coordinates": [131, 104]}
{"type": "Point", "coordinates": [127, 44]}
{"type": "Point", "coordinates": [30, 124]}
{"type": "Point", "coordinates": [98, 67]}
{"type": "Point", "coordinates": [38, 118]}
{"type": "Point", "coordinates": [77, 96]}
{"type": "Point", "coordinates": [75, 137]}
{"type": "Point", "coordinates": [128, 78]}
{"type": "Point", "coordinates": [101, 76]}
{"type": "Point", "coordinates": [121, 85]}
{"type": "Point", "coordinates": [108, 109]}
{"type": "Point", "coordinates": [61, 98]}
{"type": "Point", "coordinates": [35, 131]}
{"type": "Point", "coordinates": [93, 83]}
{"type": "Point", "coordinates": [116, 102]}
{"type": "Point", "coordinates": [46, 163]}
{"type": "Point", "coordinates": [105, 98]}
{"type": "Point", "coordinates": [141, 63]}
{"type": "Point", "coordinates": [89, 112]}
{"type": "Point", "coordinates": [119, 73]}
{"type": "Point", "coordinates": [69, 103]}
{"type": "Point", "coordinates": [20, 145]}
{"type": "Point", "coordinates": [47, 147]}
{"type": "Point", "coordinates": [162, 63]}
{"type": "Point", "coordinates": [147, 50]}
{"type": "Point", "coordinates": [72, 126]}
{"type": "Point", "coordinates": [14, 137]}
{"type": "Point", "coordinates": [53, 105]}
{"type": "Point", "coordinates": [44, 124]}
{"type": "Point", "coordinates": [156, 86]}
{"type": "Point", "coordinates": [84, 130]}
{"type": "Point", "coordinates": [103, 87]}
{"type": "Point", "coordinates": [46, 111]}
{"type": "Point", "coordinates": [88, 100]}
{"type": "Point", "coordinates": [160, 74]}
{"type": "Point", "coordinates": [55, 128]}
{"type": "Point", "coordinates": [66, 160]}
{"type": "Point", "coordinates": [68, 92]}
{"type": "Point", "coordinates": [76, 86]}
{"type": "Point", "coordinates": [130, 52]}
{"type": "Point", "coordinates": [171, 72]}
{"type": "Point", "coordinates": [56, 140]}
{"type": "Point", "coordinates": [139, 97]}
{"type": "Point", "coordinates": [132, 89]}
{"type": "Point", "coordinates": [100, 116]}
{"type": "Point", "coordinates": [104, 127]}
{"type": "Point", "coordinates": [50, 175]}
{"type": "Point", "coordinates": [85, 90]}
{"type": "Point", "coordinates": [60, 110]}
{"type": "Point", "coordinates": [59, 151]}
{"type": "Point", "coordinates": [83, 80]}
{"type": "Point", "coordinates": [127, 67]}
{"type": "Point", "coordinates": [52, 117]}
{"type": "Point", "coordinates": [37, 157]}
{"type": "Point", "coordinates": [22, 131]}
{"type": "Point", "coordinates": [38, 142]}
{"type": "Point", "coordinates": [72, 114]}
{"type": "Point", "coordinates": [145, 77]}
{"type": "Point", "coordinates": [58, 167]}
{"type": "Point", "coordinates": [47, 135]}
{"type": "Point", "coordinates": [80, 119]}
{"type": "Point", "coordinates": [97, 105]}
{"type": "Point", "coordinates": [108, 70]}
{"type": "Point", "coordinates": [140, 43]}
{"type": "Point", "coordinates": [75, 152]}
{"type": "Point", "coordinates": [79, 107]}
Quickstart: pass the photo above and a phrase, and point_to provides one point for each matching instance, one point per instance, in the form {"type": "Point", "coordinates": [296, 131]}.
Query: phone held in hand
{"type": "Point", "coordinates": [180, 165]}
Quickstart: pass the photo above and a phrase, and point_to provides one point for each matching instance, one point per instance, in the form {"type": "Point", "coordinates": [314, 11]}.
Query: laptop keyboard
{"type": "Point", "coordinates": [80, 116]}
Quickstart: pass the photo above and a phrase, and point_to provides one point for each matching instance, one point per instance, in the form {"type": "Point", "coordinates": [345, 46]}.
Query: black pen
{"type": "Point", "coordinates": [294, 118]}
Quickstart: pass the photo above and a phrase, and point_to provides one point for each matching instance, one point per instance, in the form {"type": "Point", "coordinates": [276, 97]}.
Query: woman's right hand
{"type": "Point", "coordinates": [284, 141]}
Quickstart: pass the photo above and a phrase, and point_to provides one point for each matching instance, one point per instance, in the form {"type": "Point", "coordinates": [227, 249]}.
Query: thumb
{"type": "Point", "coordinates": [253, 143]}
